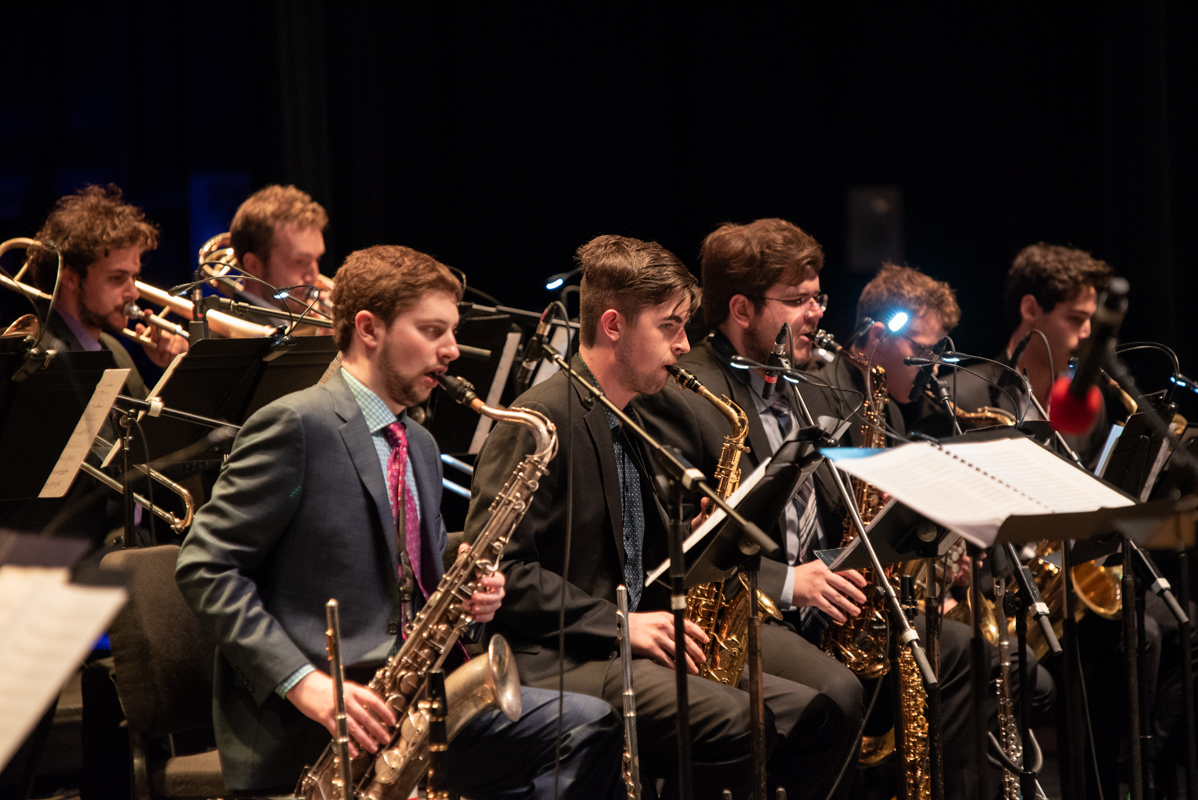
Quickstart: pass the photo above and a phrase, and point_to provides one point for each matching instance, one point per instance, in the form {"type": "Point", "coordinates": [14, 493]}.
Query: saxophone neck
{"type": "Point", "coordinates": [735, 415]}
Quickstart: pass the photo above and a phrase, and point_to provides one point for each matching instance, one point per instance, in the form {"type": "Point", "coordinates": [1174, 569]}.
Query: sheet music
{"type": "Point", "coordinates": [63, 474]}
{"type": "Point", "coordinates": [1016, 477]}
{"type": "Point", "coordinates": [47, 625]}
{"type": "Point", "coordinates": [746, 485]}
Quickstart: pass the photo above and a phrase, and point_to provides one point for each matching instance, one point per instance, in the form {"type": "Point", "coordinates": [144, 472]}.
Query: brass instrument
{"type": "Point", "coordinates": [133, 311]}
{"type": "Point", "coordinates": [722, 610]}
{"type": "Point", "coordinates": [218, 262]}
{"type": "Point", "coordinates": [482, 683]}
{"type": "Point", "coordinates": [178, 525]}
{"type": "Point", "coordinates": [913, 705]}
{"type": "Point", "coordinates": [984, 417]}
{"type": "Point", "coordinates": [944, 574]}
{"type": "Point", "coordinates": [1097, 587]}
{"type": "Point", "coordinates": [860, 642]}
{"type": "Point", "coordinates": [224, 324]}
{"type": "Point", "coordinates": [631, 766]}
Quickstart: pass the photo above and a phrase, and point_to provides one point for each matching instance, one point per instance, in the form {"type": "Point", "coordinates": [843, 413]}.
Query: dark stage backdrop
{"type": "Point", "coordinates": [500, 137]}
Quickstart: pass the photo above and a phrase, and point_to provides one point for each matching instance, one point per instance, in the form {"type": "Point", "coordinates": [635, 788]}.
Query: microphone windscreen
{"type": "Point", "coordinates": [1071, 414]}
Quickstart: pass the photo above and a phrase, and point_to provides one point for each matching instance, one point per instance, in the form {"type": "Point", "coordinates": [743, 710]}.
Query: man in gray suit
{"type": "Point", "coordinates": [334, 492]}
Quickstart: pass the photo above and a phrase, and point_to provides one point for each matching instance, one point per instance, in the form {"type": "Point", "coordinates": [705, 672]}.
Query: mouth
{"type": "Point", "coordinates": [430, 377]}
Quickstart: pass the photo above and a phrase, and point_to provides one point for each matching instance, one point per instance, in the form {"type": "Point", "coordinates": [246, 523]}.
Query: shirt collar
{"type": "Point", "coordinates": [86, 340]}
{"type": "Point", "coordinates": [377, 415]}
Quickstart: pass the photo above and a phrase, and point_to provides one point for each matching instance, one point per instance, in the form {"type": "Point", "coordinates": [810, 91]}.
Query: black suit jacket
{"type": "Point", "coordinates": [534, 561]}
{"type": "Point", "coordinates": [684, 419]}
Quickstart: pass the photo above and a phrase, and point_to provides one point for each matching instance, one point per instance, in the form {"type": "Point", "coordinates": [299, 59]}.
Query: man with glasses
{"type": "Point", "coordinates": [756, 277]}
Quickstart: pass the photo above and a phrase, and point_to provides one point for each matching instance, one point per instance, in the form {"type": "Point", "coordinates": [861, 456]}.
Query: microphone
{"type": "Point", "coordinates": [1074, 404]}
{"type": "Point", "coordinates": [925, 373]}
{"type": "Point", "coordinates": [1019, 348]}
{"type": "Point", "coordinates": [775, 360]}
{"type": "Point", "coordinates": [532, 352]}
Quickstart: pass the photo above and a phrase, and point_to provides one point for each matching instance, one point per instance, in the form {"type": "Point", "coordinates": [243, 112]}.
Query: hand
{"type": "Point", "coordinates": [701, 517]}
{"type": "Point", "coordinates": [313, 696]}
{"type": "Point", "coordinates": [963, 570]}
{"type": "Point", "coordinates": [483, 604]}
{"type": "Point", "coordinates": [834, 593]}
{"type": "Point", "coordinates": [166, 345]}
{"type": "Point", "coordinates": [651, 634]}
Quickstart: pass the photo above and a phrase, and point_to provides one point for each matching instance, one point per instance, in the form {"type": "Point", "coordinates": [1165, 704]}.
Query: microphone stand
{"type": "Point", "coordinates": [681, 479]}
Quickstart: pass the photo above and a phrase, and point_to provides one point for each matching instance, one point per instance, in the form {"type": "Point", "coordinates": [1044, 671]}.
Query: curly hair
{"type": "Point", "coordinates": [628, 275]}
{"type": "Point", "coordinates": [897, 288]}
{"type": "Point", "coordinates": [749, 259]}
{"type": "Point", "coordinates": [385, 280]}
{"type": "Point", "coordinates": [254, 225]}
{"type": "Point", "coordinates": [1051, 273]}
{"type": "Point", "coordinates": [86, 226]}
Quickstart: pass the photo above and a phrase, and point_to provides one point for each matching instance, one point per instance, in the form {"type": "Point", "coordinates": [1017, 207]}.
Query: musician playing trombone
{"type": "Point", "coordinates": [102, 240]}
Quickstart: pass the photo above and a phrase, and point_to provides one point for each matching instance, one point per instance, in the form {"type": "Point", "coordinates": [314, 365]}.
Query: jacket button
{"type": "Point", "coordinates": [392, 629]}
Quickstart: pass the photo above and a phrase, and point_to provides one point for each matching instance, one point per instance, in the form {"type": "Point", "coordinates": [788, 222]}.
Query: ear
{"type": "Point", "coordinates": [370, 329]}
{"type": "Point", "coordinates": [873, 334]}
{"type": "Point", "coordinates": [611, 324]}
{"type": "Point", "coordinates": [71, 279]}
{"type": "Point", "coordinates": [741, 311]}
{"type": "Point", "coordinates": [253, 265]}
{"type": "Point", "coordinates": [1029, 308]}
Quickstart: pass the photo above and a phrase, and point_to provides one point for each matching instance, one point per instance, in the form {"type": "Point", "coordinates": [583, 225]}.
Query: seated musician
{"type": "Point", "coordinates": [102, 239]}
{"type": "Point", "coordinates": [636, 298]}
{"type": "Point", "coordinates": [932, 312]}
{"type": "Point", "coordinates": [277, 236]}
{"type": "Point", "coordinates": [334, 491]}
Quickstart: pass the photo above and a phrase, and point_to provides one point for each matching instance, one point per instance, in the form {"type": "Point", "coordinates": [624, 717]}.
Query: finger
{"type": "Point", "coordinates": [462, 548]}
{"type": "Point", "coordinates": [694, 653]}
{"type": "Point", "coordinates": [357, 735]}
{"type": "Point", "coordinates": [830, 609]}
{"type": "Point", "coordinates": [843, 603]}
{"type": "Point", "coordinates": [369, 723]}
{"type": "Point", "coordinates": [369, 700]}
{"type": "Point", "coordinates": [690, 665]}
{"type": "Point", "coordinates": [844, 587]}
{"type": "Point", "coordinates": [693, 631]}
{"type": "Point", "coordinates": [853, 576]}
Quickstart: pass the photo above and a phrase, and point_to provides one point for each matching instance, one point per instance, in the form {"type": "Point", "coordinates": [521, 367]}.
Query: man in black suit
{"type": "Point", "coordinates": [335, 492]}
{"type": "Point", "coordinates": [595, 523]}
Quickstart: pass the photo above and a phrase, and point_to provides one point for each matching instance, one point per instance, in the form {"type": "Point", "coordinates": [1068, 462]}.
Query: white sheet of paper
{"type": "Point", "coordinates": [1023, 479]}
{"type": "Point", "coordinates": [63, 474]}
{"type": "Point", "coordinates": [715, 519]}
{"type": "Point", "coordinates": [47, 625]}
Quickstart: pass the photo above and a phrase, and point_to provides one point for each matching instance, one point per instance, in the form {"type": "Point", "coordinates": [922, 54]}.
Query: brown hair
{"type": "Point", "coordinates": [628, 275]}
{"type": "Point", "coordinates": [385, 280]}
{"type": "Point", "coordinates": [897, 288]}
{"type": "Point", "coordinates": [749, 259]}
{"type": "Point", "coordinates": [86, 226]}
{"type": "Point", "coordinates": [1051, 273]}
{"type": "Point", "coordinates": [254, 225]}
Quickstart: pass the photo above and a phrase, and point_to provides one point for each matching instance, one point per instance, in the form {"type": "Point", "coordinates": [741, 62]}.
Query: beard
{"type": "Point", "coordinates": [407, 391]}
{"type": "Point", "coordinates": [760, 344]}
{"type": "Point", "coordinates": [630, 378]}
{"type": "Point", "coordinates": [96, 319]}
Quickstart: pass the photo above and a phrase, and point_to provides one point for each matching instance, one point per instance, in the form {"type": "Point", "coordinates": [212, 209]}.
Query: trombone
{"type": "Point", "coordinates": [217, 261]}
{"type": "Point", "coordinates": [177, 525]}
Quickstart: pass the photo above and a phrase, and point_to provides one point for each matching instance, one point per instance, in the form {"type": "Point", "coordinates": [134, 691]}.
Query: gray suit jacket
{"type": "Point", "coordinates": [299, 515]}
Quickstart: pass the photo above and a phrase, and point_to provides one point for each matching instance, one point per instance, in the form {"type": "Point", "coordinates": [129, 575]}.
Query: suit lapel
{"type": "Point", "coordinates": [600, 431]}
{"type": "Point", "coordinates": [360, 446]}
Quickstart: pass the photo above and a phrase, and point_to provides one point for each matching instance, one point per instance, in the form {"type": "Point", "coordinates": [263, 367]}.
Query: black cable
{"type": "Point", "coordinates": [561, 613]}
{"type": "Point", "coordinates": [1130, 346]}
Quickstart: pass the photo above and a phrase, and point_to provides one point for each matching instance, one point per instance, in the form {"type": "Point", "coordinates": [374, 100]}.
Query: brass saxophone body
{"type": "Point", "coordinates": [482, 683]}
{"type": "Point", "coordinates": [722, 609]}
{"type": "Point", "coordinates": [913, 706]}
{"type": "Point", "coordinates": [860, 642]}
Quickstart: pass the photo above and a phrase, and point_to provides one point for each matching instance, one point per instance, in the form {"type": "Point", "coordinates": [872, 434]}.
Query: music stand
{"type": "Point", "coordinates": [39, 415]}
{"type": "Point", "coordinates": [230, 379]}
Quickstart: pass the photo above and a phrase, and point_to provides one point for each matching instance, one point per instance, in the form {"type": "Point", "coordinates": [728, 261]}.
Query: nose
{"type": "Point", "coordinates": [449, 349]}
{"type": "Point", "coordinates": [683, 345]}
{"type": "Point", "coordinates": [813, 312]}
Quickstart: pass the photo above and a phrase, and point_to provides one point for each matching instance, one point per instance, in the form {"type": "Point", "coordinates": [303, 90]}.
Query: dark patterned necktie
{"type": "Point", "coordinates": [633, 514]}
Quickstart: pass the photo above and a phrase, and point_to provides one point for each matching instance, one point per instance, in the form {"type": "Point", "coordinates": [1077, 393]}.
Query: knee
{"type": "Point", "coordinates": [847, 695]}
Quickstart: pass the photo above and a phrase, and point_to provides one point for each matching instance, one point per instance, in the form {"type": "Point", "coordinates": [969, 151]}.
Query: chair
{"type": "Point", "coordinates": [162, 668]}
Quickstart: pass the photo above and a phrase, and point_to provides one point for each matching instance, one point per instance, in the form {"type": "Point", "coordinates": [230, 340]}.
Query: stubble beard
{"type": "Point", "coordinates": [405, 392]}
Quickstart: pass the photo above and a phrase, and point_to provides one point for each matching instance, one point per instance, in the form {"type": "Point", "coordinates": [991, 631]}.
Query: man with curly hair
{"type": "Point", "coordinates": [102, 240]}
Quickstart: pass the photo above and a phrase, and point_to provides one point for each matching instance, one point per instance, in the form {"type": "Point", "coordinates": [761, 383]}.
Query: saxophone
{"type": "Point", "coordinates": [723, 611]}
{"type": "Point", "coordinates": [479, 685]}
{"type": "Point", "coordinates": [860, 643]}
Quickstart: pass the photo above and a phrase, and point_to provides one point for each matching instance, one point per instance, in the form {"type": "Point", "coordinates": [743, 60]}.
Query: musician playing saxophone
{"type": "Point", "coordinates": [636, 299]}
{"type": "Point", "coordinates": [932, 311]}
{"type": "Point", "coordinates": [335, 492]}
{"type": "Point", "coordinates": [755, 278]}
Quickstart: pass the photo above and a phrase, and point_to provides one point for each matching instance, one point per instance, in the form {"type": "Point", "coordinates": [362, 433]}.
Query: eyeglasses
{"type": "Point", "coordinates": [918, 350]}
{"type": "Point", "coordinates": [820, 300]}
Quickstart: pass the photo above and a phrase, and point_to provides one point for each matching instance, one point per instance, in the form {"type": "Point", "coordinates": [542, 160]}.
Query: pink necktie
{"type": "Point", "coordinates": [401, 496]}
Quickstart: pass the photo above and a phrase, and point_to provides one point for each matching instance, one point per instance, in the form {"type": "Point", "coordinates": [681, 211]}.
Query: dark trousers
{"type": "Point", "coordinates": [810, 725]}
{"type": "Point", "coordinates": [494, 757]}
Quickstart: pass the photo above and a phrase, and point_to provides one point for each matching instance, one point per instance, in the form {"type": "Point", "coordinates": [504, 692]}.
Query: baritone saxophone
{"type": "Point", "coordinates": [479, 685]}
{"type": "Point", "coordinates": [720, 609]}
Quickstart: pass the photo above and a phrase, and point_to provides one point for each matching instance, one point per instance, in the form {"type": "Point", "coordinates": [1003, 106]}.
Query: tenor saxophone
{"type": "Point", "coordinates": [479, 685]}
{"type": "Point", "coordinates": [722, 611]}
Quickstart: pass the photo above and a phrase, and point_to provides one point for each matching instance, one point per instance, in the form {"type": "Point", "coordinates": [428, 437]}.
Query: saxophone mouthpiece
{"type": "Point", "coordinates": [684, 378]}
{"type": "Point", "coordinates": [460, 389]}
